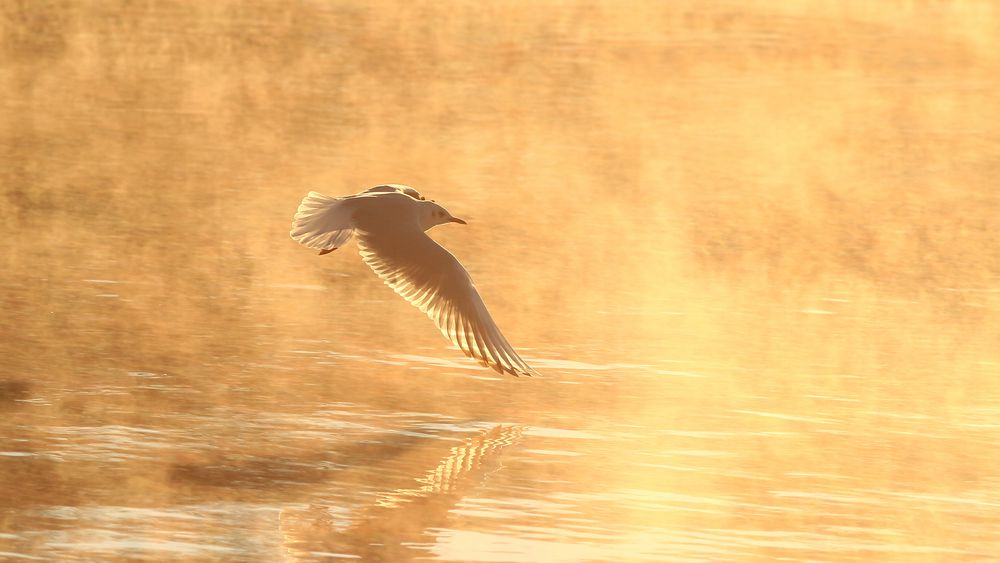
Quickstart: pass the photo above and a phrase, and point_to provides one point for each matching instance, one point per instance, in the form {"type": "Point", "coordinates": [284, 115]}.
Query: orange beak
{"type": "Point", "coordinates": [457, 220]}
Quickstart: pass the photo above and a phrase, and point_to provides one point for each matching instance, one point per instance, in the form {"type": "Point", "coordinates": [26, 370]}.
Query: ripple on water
{"type": "Point", "coordinates": [112, 443]}
{"type": "Point", "coordinates": [548, 363]}
{"type": "Point", "coordinates": [561, 433]}
{"type": "Point", "coordinates": [185, 531]}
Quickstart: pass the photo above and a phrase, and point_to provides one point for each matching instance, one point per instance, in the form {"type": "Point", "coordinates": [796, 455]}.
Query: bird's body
{"type": "Point", "coordinates": [389, 222]}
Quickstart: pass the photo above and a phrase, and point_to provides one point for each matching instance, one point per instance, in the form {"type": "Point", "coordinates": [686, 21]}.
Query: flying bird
{"type": "Point", "coordinates": [389, 222]}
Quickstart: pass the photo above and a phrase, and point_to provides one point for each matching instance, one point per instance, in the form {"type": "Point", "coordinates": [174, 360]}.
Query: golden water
{"type": "Point", "coordinates": [752, 248]}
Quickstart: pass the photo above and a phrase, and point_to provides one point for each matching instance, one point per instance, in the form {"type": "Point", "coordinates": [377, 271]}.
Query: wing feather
{"type": "Point", "coordinates": [480, 342]}
{"type": "Point", "coordinates": [429, 277]}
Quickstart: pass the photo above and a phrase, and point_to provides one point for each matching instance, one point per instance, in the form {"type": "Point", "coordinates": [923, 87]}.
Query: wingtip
{"type": "Point", "coordinates": [327, 250]}
{"type": "Point", "coordinates": [518, 371]}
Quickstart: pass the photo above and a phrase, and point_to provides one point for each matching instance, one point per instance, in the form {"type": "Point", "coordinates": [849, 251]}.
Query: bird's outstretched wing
{"type": "Point", "coordinates": [429, 277]}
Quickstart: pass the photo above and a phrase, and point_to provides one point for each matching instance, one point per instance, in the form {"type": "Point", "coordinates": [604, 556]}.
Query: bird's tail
{"type": "Point", "coordinates": [322, 222]}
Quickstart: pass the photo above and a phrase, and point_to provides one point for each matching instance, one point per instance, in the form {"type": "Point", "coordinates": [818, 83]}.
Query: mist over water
{"type": "Point", "coordinates": [751, 247]}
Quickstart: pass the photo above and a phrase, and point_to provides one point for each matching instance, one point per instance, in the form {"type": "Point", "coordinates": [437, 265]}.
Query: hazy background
{"type": "Point", "coordinates": [751, 246]}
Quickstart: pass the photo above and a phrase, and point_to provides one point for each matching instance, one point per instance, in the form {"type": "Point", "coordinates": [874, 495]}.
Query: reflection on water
{"type": "Point", "coordinates": [751, 248]}
{"type": "Point", "coordinates": [394, 526]}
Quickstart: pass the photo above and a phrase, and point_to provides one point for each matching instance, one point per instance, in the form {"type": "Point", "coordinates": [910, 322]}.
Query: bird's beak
{"type": "Point", "coordinates": [457, 220]}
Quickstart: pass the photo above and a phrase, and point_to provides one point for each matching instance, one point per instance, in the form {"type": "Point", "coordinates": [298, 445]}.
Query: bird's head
{"type": "Point", "coordinates": [432, 214]}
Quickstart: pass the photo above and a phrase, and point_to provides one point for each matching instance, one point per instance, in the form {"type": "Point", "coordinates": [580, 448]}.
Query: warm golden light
{"type": "Point", "coordinates": [752, 248]}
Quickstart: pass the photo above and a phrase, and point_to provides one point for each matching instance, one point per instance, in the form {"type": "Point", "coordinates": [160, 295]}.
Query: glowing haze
{"type": "Point", "coordinates": [752, 247]}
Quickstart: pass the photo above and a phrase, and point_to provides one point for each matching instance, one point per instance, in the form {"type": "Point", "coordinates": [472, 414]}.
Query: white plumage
{"type": "Point", "coordinates": [389, 222]}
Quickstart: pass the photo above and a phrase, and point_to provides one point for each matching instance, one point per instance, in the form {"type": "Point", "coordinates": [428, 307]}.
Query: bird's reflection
{"type": "Point", "coordinates": [392, 528]}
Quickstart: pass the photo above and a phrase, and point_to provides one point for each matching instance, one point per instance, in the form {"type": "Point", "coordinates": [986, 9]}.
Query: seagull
{"type": "Point", "coordinates": [389, 222]}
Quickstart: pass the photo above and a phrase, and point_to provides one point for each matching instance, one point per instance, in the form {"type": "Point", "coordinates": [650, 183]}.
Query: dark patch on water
{"type": "Point", "coordinates": [13, 390]}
